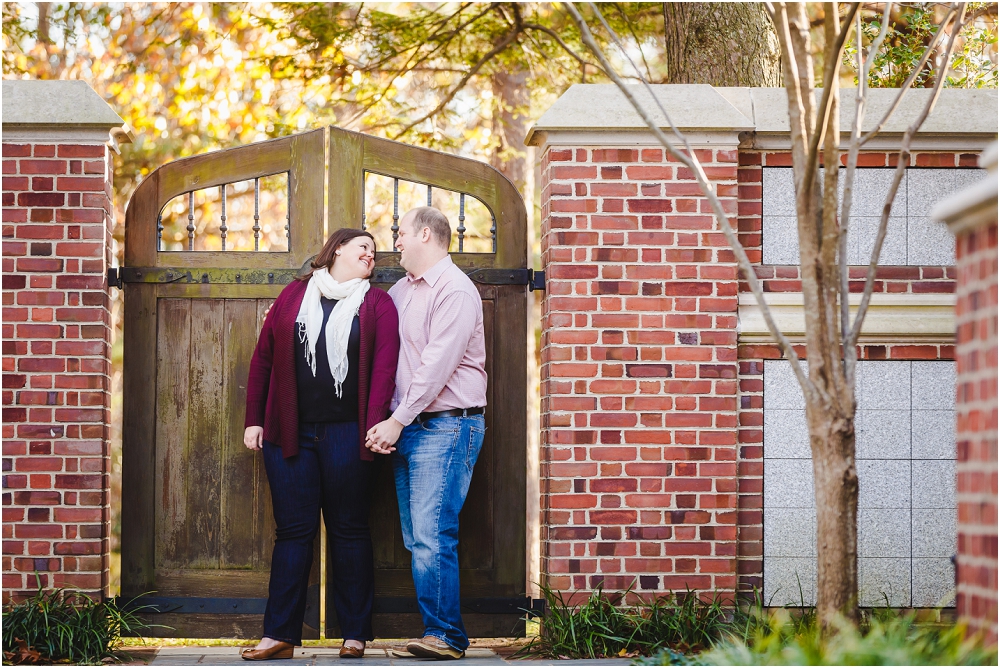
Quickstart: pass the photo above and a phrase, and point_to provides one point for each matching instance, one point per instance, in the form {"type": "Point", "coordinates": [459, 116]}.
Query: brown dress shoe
{"type": "Point", "coordinates": [431, 647]}
{"type": "Point", "coordinates": [282, 650]}
{"type": "Point", "coordinates": [352, 652]}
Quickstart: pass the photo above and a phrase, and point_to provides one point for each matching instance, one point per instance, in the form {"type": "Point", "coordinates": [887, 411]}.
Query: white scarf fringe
{"type": "Point", "coordinates": [349, 296]}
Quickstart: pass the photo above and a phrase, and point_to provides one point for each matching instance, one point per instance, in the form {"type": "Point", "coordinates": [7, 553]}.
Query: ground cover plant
{"type": "Point", "coordinates": [65, 626]}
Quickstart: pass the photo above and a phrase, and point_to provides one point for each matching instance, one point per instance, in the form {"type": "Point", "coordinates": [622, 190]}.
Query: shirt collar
{"type": "Point", "coordinates": [432, 275]}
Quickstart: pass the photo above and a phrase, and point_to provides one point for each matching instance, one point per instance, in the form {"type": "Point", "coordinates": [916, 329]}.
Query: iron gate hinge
{"type": "Point", "coordinates": [114, 278]}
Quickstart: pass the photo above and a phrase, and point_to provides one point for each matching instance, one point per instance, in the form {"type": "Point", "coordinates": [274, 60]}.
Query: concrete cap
{"type": "Point", "coordinates": [602, 107]}
{"type": "Point", "coordinates": [698, 107]}
{"type": "Point", "coordinates": [976, 206]}
{"type": "Point", "coordinates": [40, 105]}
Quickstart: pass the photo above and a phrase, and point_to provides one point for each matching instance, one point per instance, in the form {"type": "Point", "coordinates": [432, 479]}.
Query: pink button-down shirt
{"type": "Point", "coordinates": [442, 353]}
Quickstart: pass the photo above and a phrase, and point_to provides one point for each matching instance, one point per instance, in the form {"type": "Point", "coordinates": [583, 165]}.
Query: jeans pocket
{"type": "Point", "coordinates": [476, 437]}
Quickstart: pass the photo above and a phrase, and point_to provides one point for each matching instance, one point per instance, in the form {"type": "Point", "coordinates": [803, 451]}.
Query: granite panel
{"type": "Point", "coordinates": [781, 389]}
{"type": "Point", "coordinates": [933, 434]}
{"type": "Point", "coordinates": [883, 384]}
{"type": "Point", "coordinates": [928, 242]}
{"type": "Point", "coordinates": [935, 532]}
{"type": "Point", "coordinates": [778, 191]}
{"type": "Point", "coordinates": [927, 187]}
{"type": "Point", "coordinates": [933, 384]}
{"type": "Point", "coordinates": [934, 483]}
{"type": "Point", "coordinates": [780, 240]}
{"type": "Point", "coordinates": [882, 434]}
{"type": "Point", "coordinates": [881, 580]}
{"type": "Point", "coordinates": [871, 187]}
{"type": "Point", "coordinates": [883, 483]}
{"type": "Point", "coordinates": [884, 533]}
{"type": "Point", "coordinates": [786, 434]}
{"type": "Point", "coordinates": [788, 483]}
{"type": "Point", "coordinates": [790, 532]}
{"type": "Point", "coordinates": [933, 582]}
{"type": "Point", "coordinates": [861, 235]}
{"type": "Point", "coordinates": [789, 581]}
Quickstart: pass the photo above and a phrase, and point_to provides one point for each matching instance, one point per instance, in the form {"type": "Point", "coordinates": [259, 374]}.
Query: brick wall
{"type": "Point", "coordinates": [638, 372]}
{"type": "Point", "coordinates": [57, 220]}
{"type": "Point", "coordinates": [976, 403]}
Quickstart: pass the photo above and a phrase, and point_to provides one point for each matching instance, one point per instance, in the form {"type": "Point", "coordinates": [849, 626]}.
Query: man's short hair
{"type": "Point", "coordinates": [433, 219]}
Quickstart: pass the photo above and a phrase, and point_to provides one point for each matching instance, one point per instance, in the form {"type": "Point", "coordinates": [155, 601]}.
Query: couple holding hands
{"type": "Point", "coordinates": [334, 358]}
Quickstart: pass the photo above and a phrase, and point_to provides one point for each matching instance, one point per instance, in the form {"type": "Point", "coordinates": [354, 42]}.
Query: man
{"type": "Point", "coordinates": [438, 423]}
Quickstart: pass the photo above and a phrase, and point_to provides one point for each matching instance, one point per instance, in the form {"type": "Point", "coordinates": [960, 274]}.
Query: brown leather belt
{"type": "Point", "coordinates": [454, 412]}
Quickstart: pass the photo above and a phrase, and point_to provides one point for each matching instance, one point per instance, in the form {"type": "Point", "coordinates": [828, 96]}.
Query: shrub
{"type": "Point", "coordinates": [61, 625]}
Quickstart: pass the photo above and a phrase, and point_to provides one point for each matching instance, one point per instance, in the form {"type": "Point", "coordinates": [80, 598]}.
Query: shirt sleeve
{"type": "Point", "coordinates": [451, 329]}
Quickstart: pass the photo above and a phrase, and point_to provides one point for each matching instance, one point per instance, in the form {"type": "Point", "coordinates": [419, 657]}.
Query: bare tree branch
{"type": "Point", "coordinates": [559, 40]}
{"type": "Point", "coordinates": [691, 161]}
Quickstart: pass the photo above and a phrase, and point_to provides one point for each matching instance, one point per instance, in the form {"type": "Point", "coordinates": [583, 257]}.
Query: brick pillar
{"type": "Point", "coordinates": [57, 221]}
{"type": "Point", "coordinates": [972, 216]}
{"type": "Point", "coordinates": [639, 367]}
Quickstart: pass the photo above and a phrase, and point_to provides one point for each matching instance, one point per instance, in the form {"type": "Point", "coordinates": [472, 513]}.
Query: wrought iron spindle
{"type": "Point", "coordinates": [256, 214]}
{"type": "Point", "coordinates": [222, 228]}
{"type": "Point", "coordinates": [461, 222]}
{"type": "Point", "coordinates": [190, 227]}
{"type": "Point", "coordinates": [395, 211]}
{"type": "Point", "coordinates": [288, 213]}
{"type": "Point", "coordinates": [429, 192]}
{"type": "Point", "coordinates": [159, 232]}
{"type": "Point", "coordinates": [493, 230]}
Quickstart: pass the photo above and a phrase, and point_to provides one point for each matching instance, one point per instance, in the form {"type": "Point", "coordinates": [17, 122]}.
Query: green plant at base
{"type": "Point", "coordinates": [63, 625]}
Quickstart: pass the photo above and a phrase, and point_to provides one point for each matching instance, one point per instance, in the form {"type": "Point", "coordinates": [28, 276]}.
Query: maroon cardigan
{"type": "Point", "coordinates": [272, 390]}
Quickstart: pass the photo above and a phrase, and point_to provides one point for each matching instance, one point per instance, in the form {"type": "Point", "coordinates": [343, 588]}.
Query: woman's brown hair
{"type": "Point", "coordinates": [328, 254]}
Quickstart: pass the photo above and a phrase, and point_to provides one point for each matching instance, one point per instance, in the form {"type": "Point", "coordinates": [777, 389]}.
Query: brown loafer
{"type": "Point", "coordinates": [431, 647]}
{"type": "Point", "coordinates": [282, 650]}
{"type": "Point", "coordinates": [352, 652]}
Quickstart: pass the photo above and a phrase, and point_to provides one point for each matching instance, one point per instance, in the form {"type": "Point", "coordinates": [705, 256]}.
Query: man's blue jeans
{"type": "Point", "coordinates": [433, 467]}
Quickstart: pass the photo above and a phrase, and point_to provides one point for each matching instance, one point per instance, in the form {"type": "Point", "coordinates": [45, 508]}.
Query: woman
{"type": "Point", "coordinates": [322, 374]}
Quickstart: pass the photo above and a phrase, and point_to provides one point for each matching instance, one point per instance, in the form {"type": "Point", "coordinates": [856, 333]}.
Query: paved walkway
{"type": "Point", "coordinates": [323, 656]}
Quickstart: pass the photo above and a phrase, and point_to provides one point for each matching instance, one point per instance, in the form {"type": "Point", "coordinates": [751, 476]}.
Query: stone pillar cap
{"type": "Point", "coordinates": [60, 110]}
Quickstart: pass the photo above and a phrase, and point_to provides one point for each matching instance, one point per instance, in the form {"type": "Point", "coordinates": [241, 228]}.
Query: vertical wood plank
{"type": "Point", "coordinates": [203, 454]}
{"type": "Point", "coordinates": [237, 539]}
{"type": "Point", "coordinates": [263, 512]}
{"type": "Point", "coordinates": [173, 349]}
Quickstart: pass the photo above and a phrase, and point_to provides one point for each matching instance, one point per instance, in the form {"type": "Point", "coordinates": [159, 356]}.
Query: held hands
{"type": "Point", "coordinates": [253, 437]}
{"type": "Point", "coordinates": [383, 436]}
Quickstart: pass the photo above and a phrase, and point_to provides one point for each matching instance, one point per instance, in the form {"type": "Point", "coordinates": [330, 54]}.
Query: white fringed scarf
{"type": "Point", "coordinates": [349, 296]}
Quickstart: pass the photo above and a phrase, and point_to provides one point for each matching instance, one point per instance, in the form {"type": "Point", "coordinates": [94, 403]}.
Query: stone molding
{"type": "Point", "coordinates": [60, 112]}
{"type": "Point", "coordinates": [598, 114]}
{"type": "Point", "coordinates": [891, 318]}
{"type": "Point", "coordinates": [975, 206]}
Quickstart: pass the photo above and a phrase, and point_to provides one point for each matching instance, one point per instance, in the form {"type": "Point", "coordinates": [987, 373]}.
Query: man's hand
{"type": "Point", "coordinates": [383, 436]}
{"type": "Point", "coordinates": [253, 437]}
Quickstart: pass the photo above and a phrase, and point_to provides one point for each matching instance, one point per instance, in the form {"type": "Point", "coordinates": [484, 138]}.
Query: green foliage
{"type": "Point", "coordinates": [973, 65]}
{"type": "Point", "coordinates": [65, 626]}
{"type": "Point", "coordinates": [604, 626]}
{"type": "Point", "coordinates": [884, 637]}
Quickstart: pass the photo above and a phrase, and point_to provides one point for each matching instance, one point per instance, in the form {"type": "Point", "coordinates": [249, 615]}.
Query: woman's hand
{"type": "Point", "coordinates": [253, 437]}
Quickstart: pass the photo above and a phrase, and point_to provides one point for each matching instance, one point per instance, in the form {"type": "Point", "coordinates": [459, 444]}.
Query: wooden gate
{"type": "Point", "coordinates": [197, 528]}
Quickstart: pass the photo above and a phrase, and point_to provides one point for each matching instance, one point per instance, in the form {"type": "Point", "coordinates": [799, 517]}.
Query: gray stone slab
{"type": "Point", "coordinates": [882, 434]}
{"type": "Point", "coordinates": [883, 483]}
{"type": "Point", "coordinates": [883, 384]}
{"type": "Point", "coordinates": [884, 533]}
{"type": "Point", "coordinates": [929, 242]}
{"type": "Point", "coordinates": [789, 532]}
{"type": "Point", "coordinates": [788, 483]}
{"type": "Point", "coordinates": [933, 384]}
{"type": "Point", "coordinates": [933, 583]}
{"type": "Point", "coordinates": [933, 434]}
{"type": "Point", "coordinates": [861, 233]}
{"type": "Point", "coordinates": [871, 187]}
{"type": "Point", "coordinates": [881, 580]}
{"type": "Point", "coordinates": [781, 389]}
{"type": "Point", "coordinates": [780, 240]}
{"type": "Point", "coordinates": [935, 532]}
{"type": "Point", "coordinates": [786, 434]}
{"type": "Point", "coordinates": [789, 581]}
{"type": "Point", "coordinates": [778, 191]}
{"type": "Point", "coordinates": [934, 484]}
{"type": "Point", "coordinates": [927, 187]}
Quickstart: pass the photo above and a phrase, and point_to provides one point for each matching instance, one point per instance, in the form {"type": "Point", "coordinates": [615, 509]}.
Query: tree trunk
{"type": "Point", "coordinates": [43, 22]}
{"type": "Point", "coordinates": [720, 43]}
{"type": "Point", "coordinates": [510, 126]}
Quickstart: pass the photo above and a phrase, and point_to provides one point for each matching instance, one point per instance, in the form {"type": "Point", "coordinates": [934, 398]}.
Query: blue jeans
{"type": "Point", "coordinates": [433, 467]}
{"type": "Point", "coordinates": [327, 473]}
